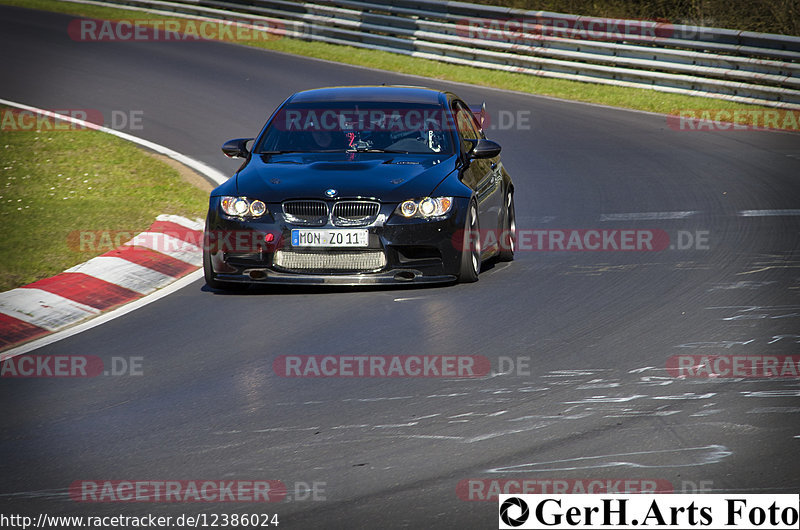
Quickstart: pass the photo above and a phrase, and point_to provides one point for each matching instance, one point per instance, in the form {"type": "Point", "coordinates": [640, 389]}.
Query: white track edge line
{"type": "Point", "coordinates": [214, 174]}
{"type": "Point", "coordinates": [103, 318]}
{"type": "Point", "coordinates": [200, 167]}
{"type": "Point", "coordinates": [415, 76]}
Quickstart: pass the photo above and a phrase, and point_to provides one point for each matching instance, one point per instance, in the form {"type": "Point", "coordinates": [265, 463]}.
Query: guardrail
{"type": "Point", "coordinates": [740, 66]}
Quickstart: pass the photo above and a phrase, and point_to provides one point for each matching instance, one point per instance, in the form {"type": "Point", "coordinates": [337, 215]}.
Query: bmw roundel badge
{"type": "Point", "coordinates": [331, 192]}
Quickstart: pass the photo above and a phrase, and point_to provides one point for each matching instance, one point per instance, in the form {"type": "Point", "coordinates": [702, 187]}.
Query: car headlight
{"type": "Point", "coordinates": [242, 207]}
{"type": "Point", "coordinates": [424, 208]}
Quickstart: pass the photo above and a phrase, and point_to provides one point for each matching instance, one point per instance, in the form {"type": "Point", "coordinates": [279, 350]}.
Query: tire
{"type": "Point", "coordinates": [508, 237]}
{"type": "Point", "coordinates": [471, 258]}
{"type": "Point", "coordinates": [212, 282]}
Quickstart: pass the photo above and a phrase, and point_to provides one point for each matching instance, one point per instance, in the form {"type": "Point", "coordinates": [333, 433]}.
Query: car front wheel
{"type": "Point", "coordinates": [508, 239]}
{"type": "Point", "coordinates": [471, 247]}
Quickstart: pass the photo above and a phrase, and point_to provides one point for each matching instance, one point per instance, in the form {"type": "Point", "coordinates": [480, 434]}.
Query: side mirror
{"type": "Point", "coordinates": [236, 148]}
{"type": "Point", "coordinates": [485, 149]}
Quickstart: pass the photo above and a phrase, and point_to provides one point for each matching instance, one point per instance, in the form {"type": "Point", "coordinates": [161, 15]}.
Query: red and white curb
{"type": "Point", "coordinates": [154, 264]}
{"type": "Point", "coordinates": [168, 250]}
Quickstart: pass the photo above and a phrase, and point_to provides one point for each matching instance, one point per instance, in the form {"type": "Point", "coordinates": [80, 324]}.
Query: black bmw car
{"type": "Point", "coordinates": [359, 185]}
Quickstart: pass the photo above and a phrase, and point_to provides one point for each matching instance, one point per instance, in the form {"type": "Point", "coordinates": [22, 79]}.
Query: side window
{"type": "Point", "coordinates": [467, 128]}
{"type": "Point", "coordinates": [473, 119]}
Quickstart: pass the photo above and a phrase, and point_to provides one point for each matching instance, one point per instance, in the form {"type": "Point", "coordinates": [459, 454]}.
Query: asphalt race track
{"type": "Point", "coordinates": [597, 327]}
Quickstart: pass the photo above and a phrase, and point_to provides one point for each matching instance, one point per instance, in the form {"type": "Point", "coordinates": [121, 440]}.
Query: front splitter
{"type": "Point", "coordinates": [394, 277]}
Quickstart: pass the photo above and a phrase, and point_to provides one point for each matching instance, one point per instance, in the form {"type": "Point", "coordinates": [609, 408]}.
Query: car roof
{"type": "Point", "coordinates": [388, 93]}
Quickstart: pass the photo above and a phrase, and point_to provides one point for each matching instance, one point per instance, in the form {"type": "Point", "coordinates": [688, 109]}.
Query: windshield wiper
{"type": "Point", "coordinates": [371, 150]}
{"type": "Point", "coordinates": [285, 151]}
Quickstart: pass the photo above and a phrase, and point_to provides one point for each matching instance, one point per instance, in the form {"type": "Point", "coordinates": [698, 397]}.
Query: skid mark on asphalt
{"type": "Point", "coordinates": [646, 216]}
{"type": "Point", "coordinates": [692, 456]}
{"type": "Point", "coordinates": [605, 399]}
{"type": "Point", "coordinates": [771, 393]}
{"type": "Point", "coordinates": [706, 412]}
{"type": "Point", "coordinates": [565, 416]}
{"type": "Point", "coordinates": [727, 344]}
{"type": "Point", "coordinates": [775, 410]}
{"type": "Point", "coordinates": [755, 312]}
{"type": "Point", "coordinates": [600, 268]}
{"type": "Point", "coordinates": [571, 373]}
{"type": "Point", "coordinates": [692, 265]}
{"type": "Point", "coordinates": [768, 213]}
{"type": "Point", "coordinates": [774, 264]}
{"type": "Point", "coordinates": [655, 380]}
{"type": "Point", "coordinates": [370, 400]}
{"type": "Point", "coordinates": [740, 285]}
{"type": "Point", "coordinates": [633, 413]}
{"type": "Point", "coordinates": [598, 383]}
{"type": "Point", "coordinates": [533, 220]}
{"type": "Point", "coordinates": [427, 436]}
{"type": "Point", "coordinates": [778, 338]}
{"type": "Point", "coordinates": [496, 408]}
{"type": "Point", "coordinates": [50, 494]}
{"type": "Point", "coordinates": [497, 403]}
{"type": "Point", "coordinates": [687, 395]}
{"type": "Point", "coordinates": [287, 429]}
{"type": "Point", "coordinates": [491, 408]}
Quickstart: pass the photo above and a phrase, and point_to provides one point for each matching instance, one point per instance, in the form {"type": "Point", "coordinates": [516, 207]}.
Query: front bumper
{"type": "Point", "coordinates": [266, 276]}
{"type": "Point", "coordinates": [413, 250]}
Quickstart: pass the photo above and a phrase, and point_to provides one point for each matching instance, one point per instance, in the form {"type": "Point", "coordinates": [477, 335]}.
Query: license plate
{"type": "Point", "coordinates": [330, 238]}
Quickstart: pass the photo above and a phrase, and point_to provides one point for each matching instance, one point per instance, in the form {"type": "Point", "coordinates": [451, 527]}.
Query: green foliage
{"type": "Point", "coordinates": [766, 16]}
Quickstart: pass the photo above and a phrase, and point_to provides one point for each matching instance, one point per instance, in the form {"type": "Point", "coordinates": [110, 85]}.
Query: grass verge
{"type": "Point", "coordinates": [633, 98]}
{"type": "Point", "coordinates": [57, 183]}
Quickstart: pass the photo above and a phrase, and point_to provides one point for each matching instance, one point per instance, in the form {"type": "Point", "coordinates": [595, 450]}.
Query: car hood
{"type": "Point", "coordinates": [383, 176]}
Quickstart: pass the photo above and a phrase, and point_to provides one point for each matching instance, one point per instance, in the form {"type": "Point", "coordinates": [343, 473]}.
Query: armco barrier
{"type": "Point", "coordinates": [740, 66]}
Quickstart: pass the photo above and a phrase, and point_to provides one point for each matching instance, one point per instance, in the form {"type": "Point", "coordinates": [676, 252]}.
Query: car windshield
{"type": "Point", "coordinates": [381, 127]}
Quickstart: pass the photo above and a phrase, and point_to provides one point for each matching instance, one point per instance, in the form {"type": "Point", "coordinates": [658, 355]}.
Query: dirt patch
{"type": "Point", "coordinates": [189, 175]}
